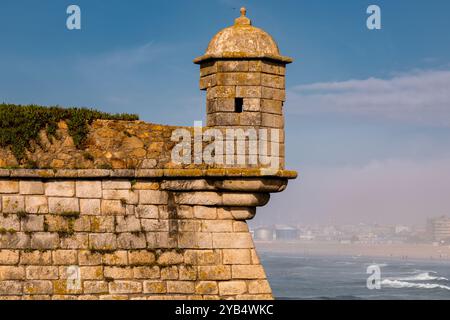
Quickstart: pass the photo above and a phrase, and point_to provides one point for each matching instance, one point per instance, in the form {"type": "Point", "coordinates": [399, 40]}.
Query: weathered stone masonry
{"type": "Point", "coordinates": [140, 236]}
{"type": "Point", "coordinates": [146, 228]}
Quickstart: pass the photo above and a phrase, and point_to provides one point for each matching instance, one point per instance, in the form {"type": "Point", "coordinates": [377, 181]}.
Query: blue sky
{"type": "Point", "coordinates": [363, 106]}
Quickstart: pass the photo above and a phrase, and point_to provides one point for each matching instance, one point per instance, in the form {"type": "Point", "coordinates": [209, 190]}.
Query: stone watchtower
{"type": "Point", "coordinates": [243, 74]}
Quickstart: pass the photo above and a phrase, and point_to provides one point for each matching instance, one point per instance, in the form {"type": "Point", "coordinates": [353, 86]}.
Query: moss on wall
{"type": "Point", "coordinates": [19, 125]}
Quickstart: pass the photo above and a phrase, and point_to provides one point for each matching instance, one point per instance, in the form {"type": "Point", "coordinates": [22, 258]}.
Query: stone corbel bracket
{"type": "Point", "coordinates": [238, 190]}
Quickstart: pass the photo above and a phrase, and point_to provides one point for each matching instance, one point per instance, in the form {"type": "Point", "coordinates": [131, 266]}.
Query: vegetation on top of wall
{"type": "Point", "coordinates": [19, 125]}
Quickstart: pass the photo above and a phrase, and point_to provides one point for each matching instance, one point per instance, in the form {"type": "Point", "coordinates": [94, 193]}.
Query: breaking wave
{"type": "Point", "coordinates": [404, 284]}
{"type": "Point", "coordinates": [424, 276]}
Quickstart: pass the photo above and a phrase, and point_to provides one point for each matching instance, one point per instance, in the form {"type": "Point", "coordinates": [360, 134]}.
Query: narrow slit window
{"type": "Point", "coordinates": [238, 105]}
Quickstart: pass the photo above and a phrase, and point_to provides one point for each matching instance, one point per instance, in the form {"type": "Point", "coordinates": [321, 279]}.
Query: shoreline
{"type": "Point", "coordinates": [394, 251]}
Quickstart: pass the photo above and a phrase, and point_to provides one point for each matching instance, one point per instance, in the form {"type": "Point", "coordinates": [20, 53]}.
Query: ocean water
{"type": "Point", "coordinates": [316, 277]}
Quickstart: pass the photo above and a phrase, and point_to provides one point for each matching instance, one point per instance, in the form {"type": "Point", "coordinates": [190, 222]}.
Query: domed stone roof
{"type": "Point", "coordinates": [242, 41]}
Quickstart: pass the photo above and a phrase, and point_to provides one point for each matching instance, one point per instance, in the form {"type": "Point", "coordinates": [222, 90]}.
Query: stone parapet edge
{"type": "Point", "coordinates": [145, 173]}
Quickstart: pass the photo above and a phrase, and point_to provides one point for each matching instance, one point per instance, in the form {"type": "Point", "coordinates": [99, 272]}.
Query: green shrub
{"type": "Point", "coordinates": [19, 125]}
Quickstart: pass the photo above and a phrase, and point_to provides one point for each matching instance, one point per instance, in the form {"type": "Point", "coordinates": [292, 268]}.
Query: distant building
{"type": "Point", "coordinates": [263, 234]}
{"type": "Point", "coordinates": [402, 229]}
{"type": "Point", "coordinates": [439, 228]}
{"type": "Point", "coordinates": [286, 233]}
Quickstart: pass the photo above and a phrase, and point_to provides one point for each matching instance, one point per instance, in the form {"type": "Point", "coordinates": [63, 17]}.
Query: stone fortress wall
{"type": "Point", "coordinates": [129, 237]}
{"type": "Point", "coordinates": [120, 220]}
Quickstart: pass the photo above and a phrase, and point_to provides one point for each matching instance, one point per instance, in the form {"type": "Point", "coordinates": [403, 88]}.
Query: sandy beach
{"type": "Point", "coordinates": [399, 251]}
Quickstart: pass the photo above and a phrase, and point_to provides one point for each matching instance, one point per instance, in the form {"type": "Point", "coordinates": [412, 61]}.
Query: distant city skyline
{"type": "Point", "coordinates": [367, 116]}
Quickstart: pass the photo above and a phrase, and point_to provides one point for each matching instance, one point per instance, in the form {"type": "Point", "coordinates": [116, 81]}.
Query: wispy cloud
{"type": "Point", "coordinates": [421, 97]}
{"type": "Point", "coordinates": [126, 58]}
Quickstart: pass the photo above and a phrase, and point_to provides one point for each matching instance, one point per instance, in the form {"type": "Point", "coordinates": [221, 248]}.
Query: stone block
{"type": "Point", "coordinates": [126, 196]}
{"type": "Point", "coordinates": [147, 211]}
{"type": "Point", "coordinates": [89, 189]}
{"type": "Point", "coordinates": [90, 206]}
{"type": "Point", "coordinates": [38, 287]}
{"type": "Point", "coordinates": [44, 240]}
{"type": "Point", "coordinates": [60, 188]}
{"type": "Point", "coordinates": [118, 273]}
{"type": "Point", "coordinates": [272, 81]}
{"type": "Point", "coordinates": [272, 120]}
{"type": "Point", "coordinates": [251, 105]}
{"type": "Point", "coordinates": [245, 199]}
{"type": "Point", "coordinates": [240, 226]}
{"type": "Point", "coordinates": [63, 205]}
{"type": "Point", "coordinates": [221, 92]}
{"type": "Point", "coordinates": [232, 66]}
{"type": "Point", "coordinates": [31, 187]}
{"type": "Point", "coordinates": [259, 286]}
{"type": "Point", "coordinates": [236, 256]}
{"type": "Point", "coordinates": [206, 287]}
{"type": "Point", "coordinates": [131, 241]}
{"type": "Point", "coordinates": [238, 79]}
{"type": "Point", "coordinates": [155, 287]}
{"type": "Point", "coordinates": [170, 258]}
{"type": "Point", "coordinates": [122, 287]}
{"type": "Point", "coordinates": [128, 224]}
{"type": "Point", "coordinates": [36, 204]}
{"type": "Point", "coordinates": [152, 197]}
{"type": "Point", "coordinates": [10, 222]}
{"type": "Point", "coordinates": [33, 223]}
{"type": "Point", "coordinates": [10, 288]}
{"type": "Point", "coordinates": [154, 225]}
{"type": "Point", "coordinates": [169, 273]}
{"type": "Point", "coordinates": [146, 272]}
{"type": "Point", "coordinates": [95, 287]}
{"type": "Point", "coordinates": [89, 258]}
{"type": "Point", "coordinates": [42, 272]}
{"type": "Point", "coordinates": [36, 257]}
{"type": "Point", "coordinates": [17, 240]}
{"type": "Point", "coordinates": [141, 257]}
{"type": "Point", "coordinates": [218, 272]}
{"type": "Point", "coordinates": [232, 240]}
{"type": "Point", "coordinates": [11, 273]}
{"type": "Point", "coordinates": [116, 184]}
{"type": "Point", "coordinates": [116, 258]}
{"type": "Point", "coordinates": [9, 257]}
{"type": "Point", "coordinates": [13, 204]}
{"type": "Point", "coordinates": [248, 272]}
{"type": "Point", "coordinates": [200, 240]}
{"type": "Point", "coordinates": [228, 288]}
{"type": "Point", "coordinates": [272, 106]}
{"type": "Point", "coordinates": [217, 225]}
{"type": "Point", "coordinates": [208, 81]}
{"type": "Point", "coordinates": [207, 68]}
{"type": "Point", "coordinates": [187, 272]}
{"type": "Point", "coordinates": [185, 287]}
{"type": "Point", "coordinates": [102, 223]}
{"type": "Point", "coordinates": [274, 94]}
{"type": "Point", "coordinates": [65, 257]}
{"type": "Point", "coordinates": [248, 91]}
{"type": "Point", "coordinates": [202, 257]}
{"type": "Point", "coordinates": [112, 207]}
{"type": "Point", "coordinates": [76, 241]}
{"type": "Point", "coordinates": [91, 273]}
{"type": "Point", "coordinates": [9, 186]}
{"type": "Point", "coordinates": [102, 241]}
{"type": "Point", "coordinates": [206, 198]}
